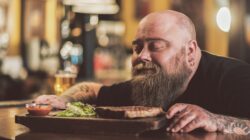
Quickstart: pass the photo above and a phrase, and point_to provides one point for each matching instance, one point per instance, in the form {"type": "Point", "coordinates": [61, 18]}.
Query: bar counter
{"type": "Point", "coordinates": [10, 130]}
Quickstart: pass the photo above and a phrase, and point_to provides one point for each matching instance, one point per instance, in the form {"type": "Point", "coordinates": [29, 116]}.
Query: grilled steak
{"type": "Point", "coordinates": [128, 111]}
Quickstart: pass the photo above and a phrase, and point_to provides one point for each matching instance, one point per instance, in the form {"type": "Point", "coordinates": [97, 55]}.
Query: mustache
{"type": "Point", "coordinates": [145, 68]}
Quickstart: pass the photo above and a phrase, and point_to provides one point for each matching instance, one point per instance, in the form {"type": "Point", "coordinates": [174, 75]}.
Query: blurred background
{"type": "Point", "coordinates": [92, 38]}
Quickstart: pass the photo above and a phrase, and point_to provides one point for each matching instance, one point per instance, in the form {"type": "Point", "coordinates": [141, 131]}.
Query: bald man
{"type": "Point", "coordinates": [197, 89]}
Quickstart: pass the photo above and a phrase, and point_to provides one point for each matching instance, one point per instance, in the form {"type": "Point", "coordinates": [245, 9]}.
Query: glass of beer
{"type": "Point", "coordinates": [63, 80]}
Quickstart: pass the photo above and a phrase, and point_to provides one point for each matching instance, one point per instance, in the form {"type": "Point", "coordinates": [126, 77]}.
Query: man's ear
{"type": "Point", "coordinates": [191, 49]}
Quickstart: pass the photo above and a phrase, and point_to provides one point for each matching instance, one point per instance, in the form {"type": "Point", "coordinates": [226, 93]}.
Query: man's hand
{"type": "Point", "coordinates": [187, 117]}
{"type": "Point", "coordinates": [55, 101]}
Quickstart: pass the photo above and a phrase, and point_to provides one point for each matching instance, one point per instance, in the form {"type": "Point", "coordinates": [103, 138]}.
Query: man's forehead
{"type": "Point", "coordinates": [169, 31]}
{"type": "Point", "coordinates": [156, 31]}
{"type": "Point", "coordinates": [155, 19]}
{"type": "Point", "coordinates": [157, 23]}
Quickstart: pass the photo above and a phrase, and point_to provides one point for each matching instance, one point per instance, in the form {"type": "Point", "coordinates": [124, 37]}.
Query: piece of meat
{"type": "Point", "coordinates": [128, 111]}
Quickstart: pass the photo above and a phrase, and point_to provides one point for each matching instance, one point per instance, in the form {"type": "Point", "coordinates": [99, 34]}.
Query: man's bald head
{"type": "Point", "coordinates": [168, 19]}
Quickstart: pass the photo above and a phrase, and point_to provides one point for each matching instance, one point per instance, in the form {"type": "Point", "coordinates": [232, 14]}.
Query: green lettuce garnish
{"type": "Point", "coordinates": [77, 109]}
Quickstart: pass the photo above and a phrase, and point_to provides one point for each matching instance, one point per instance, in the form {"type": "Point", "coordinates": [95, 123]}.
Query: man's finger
{"type": "Point", "coordinates": [194, 124]}
{"type": "Point", "coordinates": [176, 118]}
{"type": "Point", "coordinates": [175, 109]}
{"type": "Point", "coordinates": [41, 100]}
{"type": "Point", "coordinates": [182, 122]}
{"type": "Point", "coordinates": [45, 99]}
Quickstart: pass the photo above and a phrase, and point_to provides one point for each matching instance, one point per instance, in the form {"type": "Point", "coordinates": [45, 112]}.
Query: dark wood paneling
{"type": "Point", "coordinates": [194, 10]}
{"type": "Point", "coordinates": [237, 43]}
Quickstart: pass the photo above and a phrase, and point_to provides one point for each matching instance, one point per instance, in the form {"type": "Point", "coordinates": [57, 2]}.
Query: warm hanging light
{"type": "Point", "coordinates": [93, 6]}
{"type": "Point", "coordinates": [223, 19]}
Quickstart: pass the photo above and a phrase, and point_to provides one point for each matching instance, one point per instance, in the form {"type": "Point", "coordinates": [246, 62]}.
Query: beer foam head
{"type": "Point", "coordinates": [65, 74]}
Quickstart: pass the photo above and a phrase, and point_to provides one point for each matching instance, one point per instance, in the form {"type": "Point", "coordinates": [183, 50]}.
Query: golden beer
{"type": "Point", "coordinates": [63, 81]}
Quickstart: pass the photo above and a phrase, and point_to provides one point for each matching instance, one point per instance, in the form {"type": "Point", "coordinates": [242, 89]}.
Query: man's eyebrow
{"type": "Point", "coordinates": [149, 39]}
{"type": "Point", "coordinates": [155, 38]}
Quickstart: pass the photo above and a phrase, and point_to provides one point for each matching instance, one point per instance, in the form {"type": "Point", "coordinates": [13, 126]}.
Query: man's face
{"type": "Point", "coordinates": [159, 65]}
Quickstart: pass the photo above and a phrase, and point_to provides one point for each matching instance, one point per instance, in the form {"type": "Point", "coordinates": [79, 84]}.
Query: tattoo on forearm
{"type": "Point", "coordinates": [83, 88]}
{"type": "Point", "coordinates": [241, 127]}
{"type": "Point", "coordinates": [234, 125]}
{"type": "Point", "coordinates": [81, 92]}
{"type": "Point", "coordinates": [84, 92]}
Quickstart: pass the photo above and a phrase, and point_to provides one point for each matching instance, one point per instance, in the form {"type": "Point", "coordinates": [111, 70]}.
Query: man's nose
{"type": "Point", "coordinates": [144, 55]}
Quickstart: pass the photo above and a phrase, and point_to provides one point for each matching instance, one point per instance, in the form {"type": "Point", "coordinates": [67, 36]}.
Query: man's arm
{"type": "Point", "coordinates": [229, 124]}
{"type": "Point", "coordinates": [187, 117]}
{"type": "Point", "coordinates": [85, 91]}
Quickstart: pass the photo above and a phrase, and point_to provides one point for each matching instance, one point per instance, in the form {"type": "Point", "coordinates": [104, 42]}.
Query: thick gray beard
{"type": "Point", "coordinates": [159, 89]}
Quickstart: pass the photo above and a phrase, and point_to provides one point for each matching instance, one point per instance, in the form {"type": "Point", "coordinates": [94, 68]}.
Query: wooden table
{"type": "Point", "coordinates": [10, 130]}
